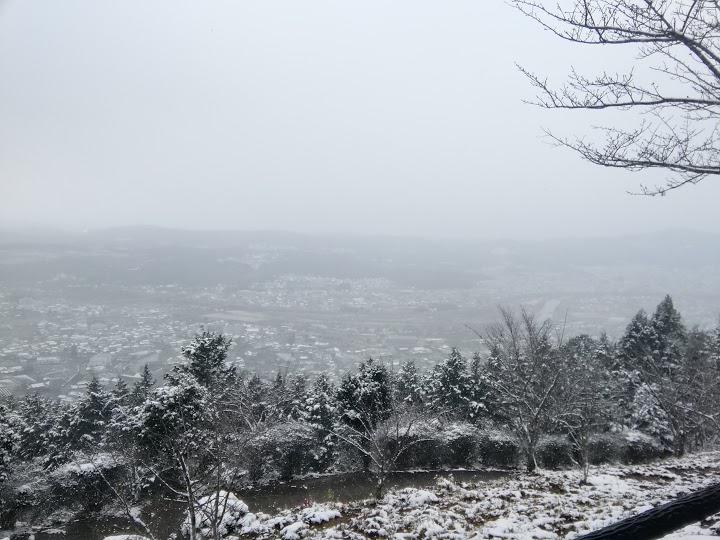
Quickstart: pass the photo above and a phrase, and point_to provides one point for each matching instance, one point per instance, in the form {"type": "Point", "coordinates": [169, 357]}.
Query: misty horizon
{"type": "Point", "coordinates": [41, 230]}
{"type": "Point", "coordinates": [260, 117]}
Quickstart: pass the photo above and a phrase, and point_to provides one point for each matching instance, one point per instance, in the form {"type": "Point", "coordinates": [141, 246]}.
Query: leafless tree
{"type": "Point", "coordinates": [523, 375]}
{"type": "Point", "coordinates": [383, 443]}
{"type": "Point", "coordinates": [675, 83]}
{"type": "Point", "coordinates": [588, 403]}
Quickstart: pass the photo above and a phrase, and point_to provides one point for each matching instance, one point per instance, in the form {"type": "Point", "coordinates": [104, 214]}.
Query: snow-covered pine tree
{"type": "Point", "coordinates": [142, 387]}
{"type": "Point", "coordinates": [638, 342]}
{"type": "Point", "coordinates": [408, 384]}
{"type": "Point", "coordinates": [206, 358]}
{"type": "Point", "coordinates": [649, 417]}
{"type": "Point", "coordinates": [10, 439]}
{"type": "Point", "coordinates": [364, 398]}
{"type": "Point", "coordinates": [478, 405]}
{"type": "Point", "coordinates": [120, 393]}
{"type": "Point", "coordinates": [668, 375]}
{"type": "Point", "coordinates": [296, 396]}
{"type": "Point", "coordinates": [37, 415]}
{"type": "Point", "coordinates": [670, 335]}
{"type": "Point", "coordinates": [320, 411]}
{"type": "Point", "coordinates": [449, 386]}
{"type": "Point", "coordinates": [90, 418]}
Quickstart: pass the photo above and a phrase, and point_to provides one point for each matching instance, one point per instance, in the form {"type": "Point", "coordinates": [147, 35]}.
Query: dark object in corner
{"type": "Point", "coordinates": [663, 519]}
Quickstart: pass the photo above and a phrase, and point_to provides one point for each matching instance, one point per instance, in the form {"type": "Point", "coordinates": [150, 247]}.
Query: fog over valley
{"type": "Point", "coordinates": [111, 300]}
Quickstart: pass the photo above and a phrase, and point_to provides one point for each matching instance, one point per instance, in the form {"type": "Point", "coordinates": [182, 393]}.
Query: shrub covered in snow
{"type": "Point", "coordinates": [282, 452]}
{"type": "Point", "coordinates": [640, 448]}
{"type": "Point", "coordinates": [222, 511]}
{"type": "Point", "coordinates": [460, 440]}
{"type": "Point", "coordinates": [554, 452]}
{"type": "Point", "coordinates": [83, 481]}
{"type": "Point", "coordinates": [497, 449]}
{"type": "Point", "coordinates": [319, 513]}
{"type": "Point", "coordinates": [605, 448]}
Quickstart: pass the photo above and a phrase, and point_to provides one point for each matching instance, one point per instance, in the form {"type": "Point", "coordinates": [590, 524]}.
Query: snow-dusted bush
{"type": "Point", "coordinates": [432, 445]}
{"type": "Point", "coordinates": [554, 452]}
{"type": "Point", "coordinates": [319, 513]}
{"type": "Point", "coordinates": [220, 510]}
{"type": "Point", "coordinates": [497, 449]}
{"type": "Point", "coordinates": [605, 448]}
{"type": "Point", "coordinates": [281, 452]}
{"type": "Point", "coordinates": [423, 454]}
{"type": "Point", "coordinates": [83, 480]}
{"type": "Point", "coordinates": [460, 443]}
{"type": "Point", "coordinates": [424, 446]}
{"type": "Point", "coordinates": [28, 491]}
{"type": "Point", "coordinates": [639, 448]}
{"type": "Point", "coordinates": [294, 531]}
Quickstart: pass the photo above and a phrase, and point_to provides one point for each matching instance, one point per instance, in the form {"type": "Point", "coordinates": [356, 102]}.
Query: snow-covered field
{"type": "Point", "coordinates": [550, 504]}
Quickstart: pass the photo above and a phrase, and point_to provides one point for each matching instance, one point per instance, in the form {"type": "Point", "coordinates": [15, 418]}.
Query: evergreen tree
{"type": "Point", "coordinates": [142, 387]}
{"type": "Point", "coordinates": [449, 385]}
{"type": "Point", "coordinates": [666, 375]}
{"type": "Point", "coordinates": [649, 417]}
{"type": "Point", "coordinates": [206, 358]}
{"type": "Point", "coordinates": [120, 393]}
{"type": "Point", "coordinates": [670, 335]}
{"type": "Point", "coordinates": [319, 411]}
{"type": "Point", "coordinates": [478, 392]}
{"type": "Point", "coordinates": [10, 439]}
{"type": "Point", "coordinates": [714, 347]}
{"type": "Point", "coordinates": [605, 352]}
{"type": "Point", "coordinates": [38, 415]}
{"type": "Point", "coordinates": [297, 396]}
{"type": "Point", "coordinates": [258, 405]}
{"type": "Point", "coordinates": [60, 435]}
{"type": "Point", "coordinates": [408, 384]}
{"type": "Point", "coordinates": [91, 417]}
{"type": "Point", "coordinates": [638, 342]}
{"type": "Point", "coordinates": [365, 398]}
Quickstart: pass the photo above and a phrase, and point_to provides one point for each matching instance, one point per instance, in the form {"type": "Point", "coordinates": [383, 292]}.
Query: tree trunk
{"type": "Point", "coordinates": [531, 461]}
{"type": "Point", "coordinates": [380, 482]}
{"type": "Point", "coordinates": [583, 444]}
{"type": "Point", "coordinates": [190, 496]}
{"type": "Point", "coordinates": [679, 445]}
{"type": "Point", "coordinates": [379, 487]}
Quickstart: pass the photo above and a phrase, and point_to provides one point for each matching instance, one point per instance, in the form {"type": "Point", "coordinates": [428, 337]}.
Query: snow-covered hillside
{"type": "Point", "coordinates": [547, 505]}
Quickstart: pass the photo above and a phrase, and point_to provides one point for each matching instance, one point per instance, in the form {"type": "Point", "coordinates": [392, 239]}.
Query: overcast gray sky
{"type": "Point", "coordinates": [400, 117]}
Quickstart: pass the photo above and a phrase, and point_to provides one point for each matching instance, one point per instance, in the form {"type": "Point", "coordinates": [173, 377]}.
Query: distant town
{"type": "Point", "coordinates": [74, 308]}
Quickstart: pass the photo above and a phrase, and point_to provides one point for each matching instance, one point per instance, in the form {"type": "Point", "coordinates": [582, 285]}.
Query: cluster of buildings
{"type": "Point", "coordinates": [52, 344]}
{"type": "Point", "coordinates": [54, 338]}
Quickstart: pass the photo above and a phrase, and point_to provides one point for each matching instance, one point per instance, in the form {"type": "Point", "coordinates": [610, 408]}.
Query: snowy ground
{"type": "Point", "coordinates": [547, 505]}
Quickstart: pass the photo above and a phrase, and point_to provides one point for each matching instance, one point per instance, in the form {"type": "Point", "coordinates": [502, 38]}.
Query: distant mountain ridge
{"type": "Point", "coordinates": [156, 255]}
